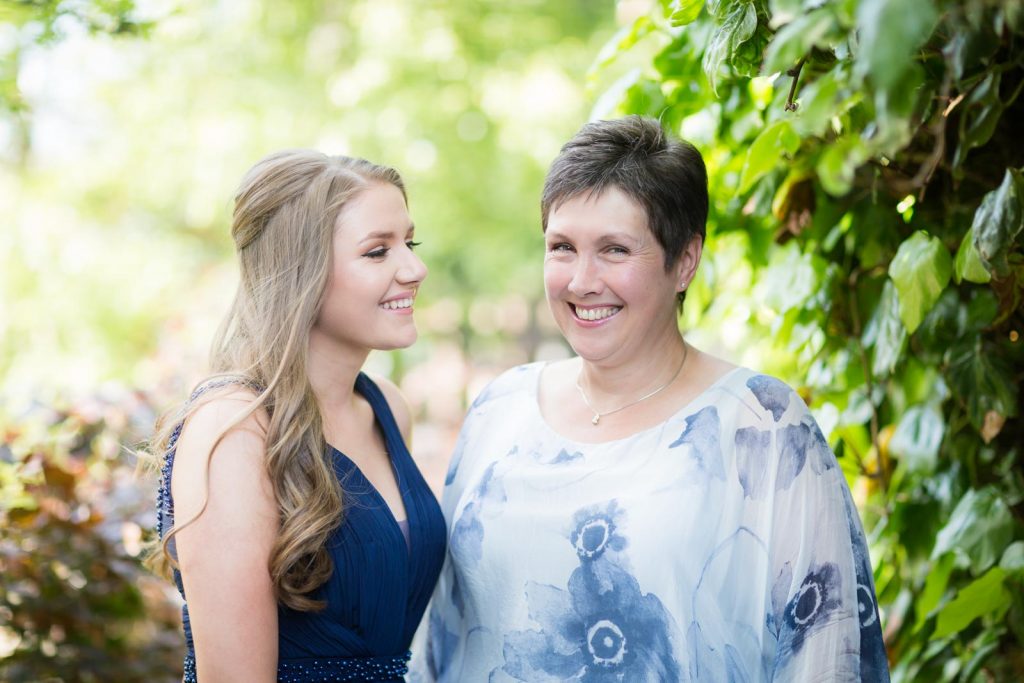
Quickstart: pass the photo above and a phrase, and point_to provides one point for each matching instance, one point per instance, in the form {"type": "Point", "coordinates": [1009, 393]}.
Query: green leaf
{"type": "Point", "coordinates": [738, 27]}
{"type": "Point", "coordinates": [978, 530]}
{"type": "Point", "coordinates": [918, 436]}
{"type": "Point", "coordinates": [934, 589]}
{"type": "Point", "coordinates": [979, 116]}
{"type": "Point", "coordinates": [1014, 15]}
{"type": "Point", "coordinates": [795, 40]}
{"type": "Point", "coordinates": [890, 32]}
{"type": "Point", "coordinates": [817, 104]}
{"type": "Point", "coordinates": [987, 595]}
{"type": "Point", "coordinates": [785, 11]}
{"type": "Point", "coordinates": [1013, 558]}
{"type": "Point", "coordinates": [685, 12]}
{"type": "Point", "coordinates": [885, 333]}
{"type": "Point", "coordinates": [839, 162]}
{"type": "Point", "coordinates": [999, 221]}
{"type": "Point", "coordinates": [983, 381]}
{"type": "Point", "coordinates": [766, 152]}
{"type": "Point", "coordinates": [791, 278]}
{"type": "Point", "coordinates": [968, 265]}
{"type": "Point", "coordinates": [920, 270]}
{"type": "Point", "coordinates": [625, 38]}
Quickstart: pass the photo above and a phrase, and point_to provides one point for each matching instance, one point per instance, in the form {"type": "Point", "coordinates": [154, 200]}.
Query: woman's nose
{"type": "Point", "coordinates": [585, 278]}
{"type": "Point", "coordinates": [413, 270]}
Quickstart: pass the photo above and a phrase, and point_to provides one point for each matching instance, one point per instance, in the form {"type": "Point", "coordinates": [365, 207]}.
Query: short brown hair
{"type": "Point", "coordinates": [663, 174]}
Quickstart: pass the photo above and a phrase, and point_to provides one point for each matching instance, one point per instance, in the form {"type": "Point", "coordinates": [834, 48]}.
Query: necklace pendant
{"type": "Point", "coordinates": [597, 418]}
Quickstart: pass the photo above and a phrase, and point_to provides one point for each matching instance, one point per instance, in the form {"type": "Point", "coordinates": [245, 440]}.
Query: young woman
{"type": "Point", "coordinates": [644, 511]}
{"type": "Point", "coordinates": [301, 534]}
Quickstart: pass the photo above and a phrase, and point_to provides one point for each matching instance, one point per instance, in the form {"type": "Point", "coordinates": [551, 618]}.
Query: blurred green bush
{"type": "Point", "coordinates": [75, 602]}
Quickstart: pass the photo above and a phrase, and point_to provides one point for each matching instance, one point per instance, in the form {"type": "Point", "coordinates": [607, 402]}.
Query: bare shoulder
{"type": "Point", "coordinates": [398, 403]}
{"type": "Point", "coordinates": [706, 368]}
{"type": "Point", "coordinates": [221, 450]}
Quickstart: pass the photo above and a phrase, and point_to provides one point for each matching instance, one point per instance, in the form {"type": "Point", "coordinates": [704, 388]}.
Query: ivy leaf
{"type": "Point", "coordinates": [795, 39]}
{"type": "Point", "coordinates": [1013, 558]}
{"type": "Point", "coordinates": [766, 152]}
{"type": "Point", "coordinates": [1010, 289]}
{"type": "Point", "coordinates": [885, 333]}
{"type": "Point", "coordinates": [981, 113]}
{"type": "Point", "coordinates": [978, 531]}
{"type": "Point", "coordinates": [890, 32]}
{"type": "Point", "coordinates": [738, 27]}
{"type": "Point", "coordinates": [934, 589]}
{"type": "Point", "coordinates": [968, 265]}
{"type": "Point", "coordinates": [818, 104]}
{"type": "Point", "coordinates": [983, 381]}
{"type": "Point", "coordinates": [685, 12]}
{"type": "Point", "coordinates": [987, 595]}
{"type": "Point", "coordinates": [839, 162]}
{"type": "Point", "coordinates": [999, 221]}
{"type": "Point", "coordinates": [918, 436]}
{"type": "Point", "coordinates": [920, 270]}
{"type": "Point", "coordinates": [785, 11]}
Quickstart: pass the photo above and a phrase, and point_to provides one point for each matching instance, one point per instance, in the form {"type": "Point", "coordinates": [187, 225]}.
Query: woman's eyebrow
{"type": "Point", "coordinates": [378, 235]}
{"type": "Point", "coordinates": [386, 234]}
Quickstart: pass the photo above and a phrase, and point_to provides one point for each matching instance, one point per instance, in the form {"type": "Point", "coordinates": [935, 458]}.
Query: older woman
{"type": "Point", "coordinates": [644, 511]}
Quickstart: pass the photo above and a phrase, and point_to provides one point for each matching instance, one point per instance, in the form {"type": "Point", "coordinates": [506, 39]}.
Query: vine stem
{"type": "Point", "coordinates": [795, 73]}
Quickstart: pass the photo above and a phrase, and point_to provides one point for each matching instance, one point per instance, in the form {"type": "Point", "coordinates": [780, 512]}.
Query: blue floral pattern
{"type": "Point", "coordinates": [703, 434]}
{"type": "Point", "coordinates": [603, 628]}
{"type": "Point", "coordinates": [722, 545]}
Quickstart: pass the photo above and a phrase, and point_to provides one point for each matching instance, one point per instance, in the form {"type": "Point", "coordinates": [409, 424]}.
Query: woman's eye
{"type": "Point", "coordinates": [378, 253]}
{"type": "Point", "coordinates": [412, 245]}
{"type": "Point", "coordinates": [618, 251]}
{"type": "Point", "coordinates": [560, 246]}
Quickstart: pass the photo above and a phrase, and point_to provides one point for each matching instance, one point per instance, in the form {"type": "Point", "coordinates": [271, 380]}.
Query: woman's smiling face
{"type": "Point", "coordinates": [605, 276]}
{"type": "Point", "coordinates": [374, 273]}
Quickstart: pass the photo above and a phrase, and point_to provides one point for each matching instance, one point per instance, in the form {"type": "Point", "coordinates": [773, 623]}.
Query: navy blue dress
{"type": "Point", "coordinates": [380, 585]}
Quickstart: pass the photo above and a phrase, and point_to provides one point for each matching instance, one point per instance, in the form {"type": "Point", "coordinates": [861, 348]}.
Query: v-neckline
{"type": "Point", "coordinates": [395, 522]}
{"type": "Point", "coordinates": [365, 387]}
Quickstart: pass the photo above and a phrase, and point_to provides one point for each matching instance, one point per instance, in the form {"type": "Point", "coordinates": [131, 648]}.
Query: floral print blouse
{"type": "Point", "coordinates": [720, 545]}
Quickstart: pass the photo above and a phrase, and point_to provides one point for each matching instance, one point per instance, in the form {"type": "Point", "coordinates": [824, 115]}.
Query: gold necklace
{"type": "Point", "coordinates": [598, 416]}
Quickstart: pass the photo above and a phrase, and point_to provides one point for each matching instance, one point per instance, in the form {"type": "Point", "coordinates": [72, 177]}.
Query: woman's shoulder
{"type": "Point", "coordinates": [220, 416]}
{"type": "Point", "coordinates": [519, 381]}
{"type": "Point", "coordinates": [768, 395]}
{"type": "Point", "coordinates": [214, 406]}
{"type": "Point", "coordinates": [222, 449]}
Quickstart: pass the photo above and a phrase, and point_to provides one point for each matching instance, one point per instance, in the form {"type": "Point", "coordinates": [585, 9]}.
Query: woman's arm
{"type": "Point", "coordinates": [224, 555]}
{"type": "Point", "coordinates": [822, 593]}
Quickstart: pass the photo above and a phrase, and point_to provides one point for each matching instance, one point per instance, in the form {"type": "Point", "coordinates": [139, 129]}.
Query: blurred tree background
{"type": "Point", "coordinates": [864, 244]}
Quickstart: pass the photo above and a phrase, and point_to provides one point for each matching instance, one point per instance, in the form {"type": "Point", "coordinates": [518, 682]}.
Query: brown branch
{"type": "Point", "coordinates": [791, 105]}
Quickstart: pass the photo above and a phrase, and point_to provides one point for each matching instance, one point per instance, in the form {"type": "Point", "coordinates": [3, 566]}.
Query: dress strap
{"type": "Point", "coordinates": [382, 410]}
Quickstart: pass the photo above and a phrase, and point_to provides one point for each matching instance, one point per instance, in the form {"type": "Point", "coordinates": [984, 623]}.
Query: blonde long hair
{"type": "Point", "coordinates": [283, 226]}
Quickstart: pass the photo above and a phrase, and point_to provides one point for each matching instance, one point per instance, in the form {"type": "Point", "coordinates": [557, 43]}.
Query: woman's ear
{"type": "Point", "coordinates": [686, 266]}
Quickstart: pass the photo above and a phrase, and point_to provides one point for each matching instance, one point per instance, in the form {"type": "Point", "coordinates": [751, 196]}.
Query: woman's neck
{"type": "Point", "coordinates": [611, 382]}
{"type": "Point", "coordinates": [332, 370]}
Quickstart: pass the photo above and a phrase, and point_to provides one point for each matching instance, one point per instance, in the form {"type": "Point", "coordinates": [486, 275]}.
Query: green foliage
{"type": "Point", "coordinates": [920, 270]}
{"type": "Point", "coordinates": [868, 153]}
